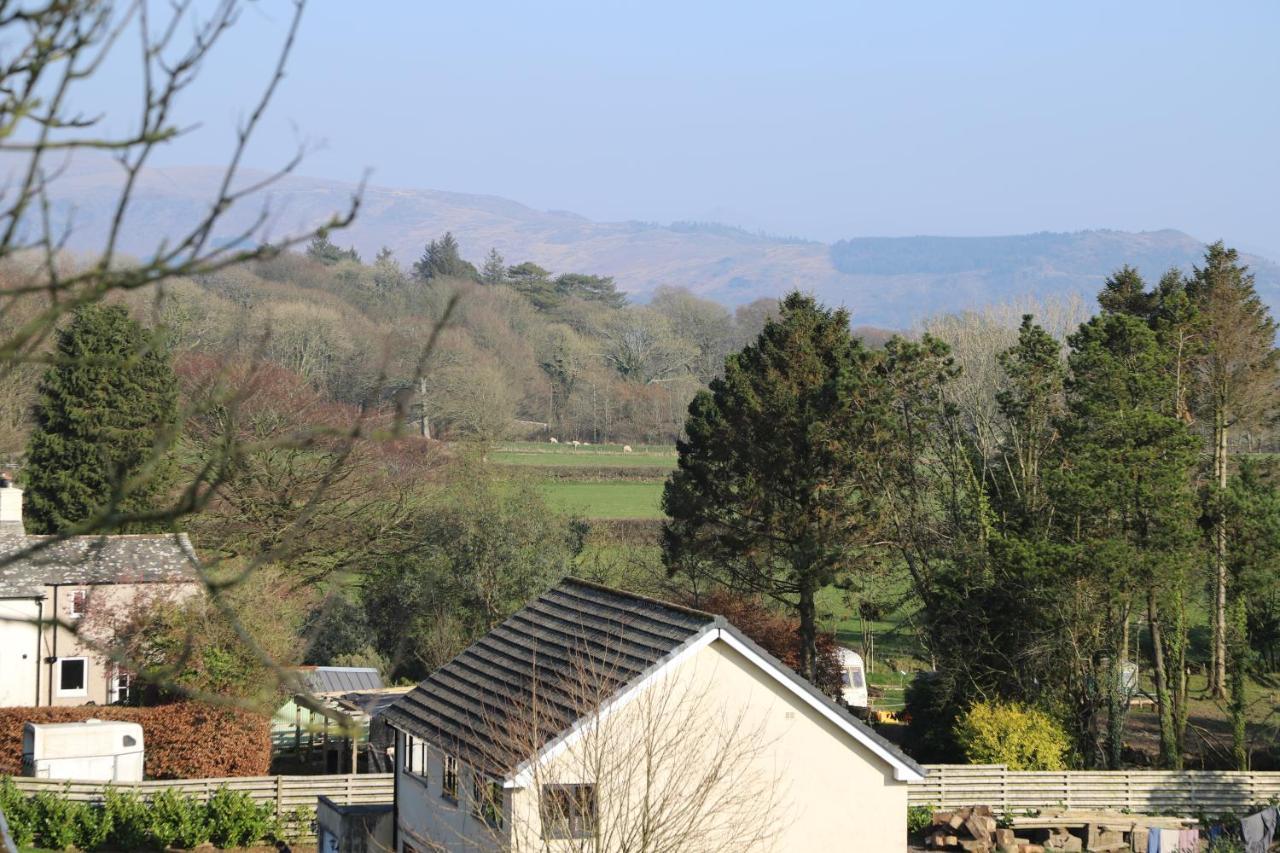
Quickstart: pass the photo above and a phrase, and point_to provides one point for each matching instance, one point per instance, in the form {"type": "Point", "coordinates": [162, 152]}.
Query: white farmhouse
{"type": "Point", "coordinates": [48, 586]}
{"type": "Point", "coordinates": [592, 715]}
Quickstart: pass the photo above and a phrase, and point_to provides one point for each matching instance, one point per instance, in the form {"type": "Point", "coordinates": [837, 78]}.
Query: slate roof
{"type": "Point", "coordinates": [148, 558]}
{"type": "Point", "coordinates": [342, 679]}
{"type": "Point", "coordinates": [575, 627]}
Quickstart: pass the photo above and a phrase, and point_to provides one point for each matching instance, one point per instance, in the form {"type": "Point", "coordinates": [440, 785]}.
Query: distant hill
{"type": "Point", "coordinates": [888, 282]}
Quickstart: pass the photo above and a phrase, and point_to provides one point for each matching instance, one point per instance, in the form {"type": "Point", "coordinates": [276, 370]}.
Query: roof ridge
{"type": "Point", "coordinates": [621, 593]}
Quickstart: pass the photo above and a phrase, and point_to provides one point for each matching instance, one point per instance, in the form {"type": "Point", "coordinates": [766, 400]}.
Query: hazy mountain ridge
{"type": "Point", "coordinates": [885, 281]}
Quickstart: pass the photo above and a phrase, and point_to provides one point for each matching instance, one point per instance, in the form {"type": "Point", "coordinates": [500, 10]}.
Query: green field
{"type": "Point", "coordinates": [605, 500]}
{"type": "Point", "coordinates": [593, 456]}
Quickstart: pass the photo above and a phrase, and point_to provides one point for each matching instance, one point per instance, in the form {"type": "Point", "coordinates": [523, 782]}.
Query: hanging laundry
{"type": "Point", "coordinates": [1258, 830]}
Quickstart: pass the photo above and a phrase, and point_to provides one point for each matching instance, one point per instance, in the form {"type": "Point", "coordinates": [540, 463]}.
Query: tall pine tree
{"type": "Point", "coordinates": [106, 408]}
{"type": "Point", "coordinates": [763, 498]}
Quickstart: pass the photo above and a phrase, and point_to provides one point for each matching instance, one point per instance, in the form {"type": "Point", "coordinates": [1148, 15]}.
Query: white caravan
{"type": "Point", "coordinates": [95, 749]}
{"type": "Point", "coordinates": [853, 677]}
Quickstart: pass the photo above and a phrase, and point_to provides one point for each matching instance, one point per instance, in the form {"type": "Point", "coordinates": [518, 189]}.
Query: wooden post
{"type": "Point", "coordinates": [297, 729]}
{"type": "Point", "coordinates": [279, 796]}
{"type": "Point", "coordinates": [354, 746]}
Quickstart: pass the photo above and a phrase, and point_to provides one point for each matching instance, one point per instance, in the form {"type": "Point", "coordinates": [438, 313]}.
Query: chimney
{"type": "Point", "coordinates": [10, 506]}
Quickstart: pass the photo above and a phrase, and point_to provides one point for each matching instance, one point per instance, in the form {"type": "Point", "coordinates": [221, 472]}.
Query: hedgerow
{"type": "Point", "coordinates": [125, 821]}
{"type": "Point", "coordinates": [1017, 735]}
{"type": "Point", "coordinates": [183, 740]}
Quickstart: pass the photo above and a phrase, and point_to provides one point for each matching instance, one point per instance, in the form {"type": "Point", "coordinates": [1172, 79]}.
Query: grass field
{"type": "Point", "coordinates": [595, 455]}
{"type": "Point", "coordinates": [605, 500]}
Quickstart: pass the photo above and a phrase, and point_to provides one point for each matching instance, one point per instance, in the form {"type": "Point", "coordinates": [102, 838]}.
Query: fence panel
{"type": "Point", "coordinates": [1142, 791]}
{"type": "Point", "coordinates": [286, 794]}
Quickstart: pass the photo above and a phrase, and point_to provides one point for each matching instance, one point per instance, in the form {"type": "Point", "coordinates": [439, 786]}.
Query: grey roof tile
{"type": "Point", "coordinates": [342, 679]}
{"type": "Point", "coordinates": [28, 563]}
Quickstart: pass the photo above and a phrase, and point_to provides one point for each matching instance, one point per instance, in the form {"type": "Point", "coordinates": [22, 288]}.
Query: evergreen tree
{"type": "Point", "coordinates": [1126, 502]}
{"type": "Point", "coordinates": [762, 498]}
{"type": "Point", "coordinates": [494, 270]}
{"type": "Point", "coordinates": [441, 259]}
{"type": "Point", "coordinates": [1031, 402]}
{"type": "Point", "coordinates": [323, 250]}
{"type": "Point", "coordinates": [387, 274]}
{"type": "Point", "coordinates": [104, 410]}
{"type": "Point", "coordinates": [535, 283]}
{"type": "Point", "coordinates": [1237, 372]}
{"type": "Point", "coordinates": [1124, 292]}
{"type": "Point", "coordinates": [593, 288]}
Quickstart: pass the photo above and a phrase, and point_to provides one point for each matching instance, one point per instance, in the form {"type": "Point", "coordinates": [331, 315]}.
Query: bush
{"type": "Point", "coordinates": [235, 820]}
{"type": "Point", "coordinates": [125, 821]}
{"type": "Point", "coordinates": [177, 821]}
{"type": "Point", "coordinates": [184, 740]}
{"type": "Point", "coordinates": [1013, 734]}
{"type": "Point", "coordinates": [931, 713]}
{"type": "Point", "coordinates": [919, 818]}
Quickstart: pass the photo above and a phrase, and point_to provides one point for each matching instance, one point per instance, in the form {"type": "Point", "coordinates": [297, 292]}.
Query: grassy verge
{"type": "Point", "coordinates": [620, 499]}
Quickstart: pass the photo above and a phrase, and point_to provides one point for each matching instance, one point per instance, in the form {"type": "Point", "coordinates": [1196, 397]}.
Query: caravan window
{"type": "Point", "coordinates": [856, 675]}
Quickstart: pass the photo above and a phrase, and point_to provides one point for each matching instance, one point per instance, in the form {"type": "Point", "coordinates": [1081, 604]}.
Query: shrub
{"type": "Point", "coordinates": [931, 714]}
{"type": "Point", "coordinates": [1019, 736]}
{"type": "Point", "coordinates": [177, 821]}
{"type": "Point", "coordinates": [919, 818]}
{"type": "Point", "coordinates": [184, 740]}
{"type": "Point", "coordinates": [235, 820]}
{"type": "Point", "coordinates": [125, 821]}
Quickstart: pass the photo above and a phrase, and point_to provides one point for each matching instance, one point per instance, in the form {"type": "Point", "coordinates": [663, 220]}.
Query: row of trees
{"type": "Point", "coordinates": [1100, 496]}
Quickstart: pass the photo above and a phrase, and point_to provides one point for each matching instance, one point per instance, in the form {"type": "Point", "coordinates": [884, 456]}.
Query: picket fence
{"type": "Point", "coordinates": [1139, 791]}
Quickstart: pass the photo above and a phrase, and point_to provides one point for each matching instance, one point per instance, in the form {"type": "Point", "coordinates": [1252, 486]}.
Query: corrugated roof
{"type": "Point", "coordinates": [149, 558]}
{"type": "Point", "coordinates": [342, 679]}
{"type": "Point", "coordinates": [575, 628]}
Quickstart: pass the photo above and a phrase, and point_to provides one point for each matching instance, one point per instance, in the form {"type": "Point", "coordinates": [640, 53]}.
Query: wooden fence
{"type": "Point", "coordinates": [1141, 791]}
{"type": "Point", "coordinates": [287, 794]}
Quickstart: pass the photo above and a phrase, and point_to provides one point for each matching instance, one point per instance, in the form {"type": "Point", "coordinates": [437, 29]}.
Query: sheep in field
{"type": "Point", "coordinates": [626, 448]}
{"type": "Point", "coordinates": [553, 440]}
{"type": "Point", "coordinates": [576, 443]}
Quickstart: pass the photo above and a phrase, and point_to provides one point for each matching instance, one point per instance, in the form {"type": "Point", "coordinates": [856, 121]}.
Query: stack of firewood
{"type": "Point", "coordinates": [973, 829]}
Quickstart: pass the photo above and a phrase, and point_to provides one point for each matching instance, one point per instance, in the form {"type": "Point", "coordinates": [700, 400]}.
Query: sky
{"type": "Point", "coordinates": [814, 119]}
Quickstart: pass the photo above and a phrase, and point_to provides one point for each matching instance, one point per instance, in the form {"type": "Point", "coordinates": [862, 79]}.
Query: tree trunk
{"type": "Point", "coordinates": [1218, 668]}
{"type": "Point", "coordinates": [808, 632]}
{"type": "Point", "coordinates": [425, 421]}
{"type": "Point", "coordinates": [1164, 705]}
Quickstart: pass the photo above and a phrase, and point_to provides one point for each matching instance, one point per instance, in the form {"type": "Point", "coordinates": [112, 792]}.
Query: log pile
{"type": "Point", "coordinates": [974, 830]}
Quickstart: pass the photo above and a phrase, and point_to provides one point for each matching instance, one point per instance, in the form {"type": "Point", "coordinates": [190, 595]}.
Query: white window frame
{"type": "Point", "coordinates": [114, 690]}
{"type": "Point", "coordinates": [84, 688]}
{"type": "Point", "coordinates": [82, 596]}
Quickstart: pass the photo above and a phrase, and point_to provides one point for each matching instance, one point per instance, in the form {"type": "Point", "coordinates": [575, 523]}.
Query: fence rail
{"type": "Point", "coordinates": [1141, 791]}
{"type": "Point", "coordinates": [286, 793]}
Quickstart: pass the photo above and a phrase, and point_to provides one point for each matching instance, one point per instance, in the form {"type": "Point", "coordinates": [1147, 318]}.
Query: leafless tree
{"type": "Point", "coordinates": [664, 768]}
{"type": "Point", "coordinates": [50, 51]}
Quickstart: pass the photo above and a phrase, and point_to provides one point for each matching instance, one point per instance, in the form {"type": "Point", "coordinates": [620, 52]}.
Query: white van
{"type": "Point", "coordinates": [853, 677]}
{"type": "Point", "coordinates": [95, 749]}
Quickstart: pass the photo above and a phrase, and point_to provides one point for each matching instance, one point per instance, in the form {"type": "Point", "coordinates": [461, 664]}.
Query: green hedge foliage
{"type": "Point", "coordinates": [125, 821]}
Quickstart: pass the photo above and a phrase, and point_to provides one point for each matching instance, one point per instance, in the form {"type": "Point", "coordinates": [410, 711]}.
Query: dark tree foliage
{"type": "Point", "coordinates": [592, 288]}
{"type": "Point", "coordinates": [323, 250]}
{"type": "Point", "coordinates": [535, 283]}
{"type": "Point", "coordinates": [441, 259]}
{"type": "Point", "coordinates": [764, 495]}
{"type": "Point", "coordinates": [103, 417]}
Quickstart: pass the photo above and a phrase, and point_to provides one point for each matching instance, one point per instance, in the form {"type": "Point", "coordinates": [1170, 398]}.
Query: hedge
{"type": "Point", "coordinates": [183, 740]}
{"type": "Point", "coordinates": [126, 821]}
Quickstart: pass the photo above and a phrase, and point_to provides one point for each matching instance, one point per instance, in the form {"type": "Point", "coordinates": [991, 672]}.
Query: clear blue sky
{"type": "Point", "coordinates": [819, 119]}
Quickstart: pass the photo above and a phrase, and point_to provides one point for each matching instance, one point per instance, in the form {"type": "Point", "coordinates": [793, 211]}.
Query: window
{"type": "Point", "coordinates": [856, 675]}
{"type": "Point", "coordinates": [568, 811]}
{"type": "Point", "coordinates": [486, 799]}
{"type": "Point", "coordinates": [407, 762]}
{"type": "Point", "coordinates": [79, 599]}
{"type": "Point", "coordinates": [415, 757]}
{"type": "Point", "coordinates": [72, 676]}
{"type": "Point", "coordinates": [120, 687]}
{"type": "Point", "coordinates": [449, 778]}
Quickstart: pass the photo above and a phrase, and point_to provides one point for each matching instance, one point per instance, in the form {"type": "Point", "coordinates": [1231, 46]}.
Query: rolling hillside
{"type": "Point", "coordinates": [889, 282]}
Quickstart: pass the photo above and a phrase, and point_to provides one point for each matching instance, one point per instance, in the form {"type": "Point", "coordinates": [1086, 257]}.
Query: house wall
{"type": "Point", "coordinates": [105, 605]}
{"type": "Point", "coordinates": [19, 651]}
{"type": "Point", "coordinates": [799, 782]}
{"type": "Point", "coordinates": [425, 817]}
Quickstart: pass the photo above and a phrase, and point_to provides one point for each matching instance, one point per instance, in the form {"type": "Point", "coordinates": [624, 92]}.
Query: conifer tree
{"type": "Point", "coordinates": [103, 416]}
{"type": "Point", "coordinates": [1237, 374]}
{"type": "Point", "coordinates": [441, 259]}
{"type": "Point", "coordinates": [763, 498]}
{"type": "Point", "coordinates": [494, 270]}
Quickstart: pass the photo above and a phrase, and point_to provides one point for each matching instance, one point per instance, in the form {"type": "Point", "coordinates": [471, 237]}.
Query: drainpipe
{"type": "Point", "coordinates": [39, 637]}
{"type": "Point", "coordinates": [53, 658]}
